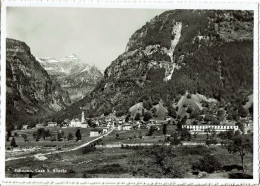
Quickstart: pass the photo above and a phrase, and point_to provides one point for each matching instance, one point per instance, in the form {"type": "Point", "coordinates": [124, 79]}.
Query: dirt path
{"type": "Point", "coordinates": [39, 155]}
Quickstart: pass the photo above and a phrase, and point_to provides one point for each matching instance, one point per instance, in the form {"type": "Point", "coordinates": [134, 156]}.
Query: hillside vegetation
{"type": "Point", "coordinates": [212, 57]}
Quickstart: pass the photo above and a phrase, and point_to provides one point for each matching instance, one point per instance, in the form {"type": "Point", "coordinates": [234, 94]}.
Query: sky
{"type": "Point", "coordinates": [96, 36]}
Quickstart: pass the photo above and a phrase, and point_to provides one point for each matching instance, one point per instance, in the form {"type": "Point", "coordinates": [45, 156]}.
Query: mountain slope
{"type": "Point", "coordinates": [31, 94]}
{"type": "Point", "coordinates": [195, 51]}
{"type": "Point", "coordinates": [73, 75]}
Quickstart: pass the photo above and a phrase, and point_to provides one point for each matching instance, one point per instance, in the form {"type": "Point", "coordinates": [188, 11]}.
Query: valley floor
{"type": "Point", "coordinates": [111, 159]}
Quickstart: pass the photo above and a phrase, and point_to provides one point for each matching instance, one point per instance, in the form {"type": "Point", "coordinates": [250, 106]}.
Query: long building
{"type": "Point", "coordinates": [205, 128]}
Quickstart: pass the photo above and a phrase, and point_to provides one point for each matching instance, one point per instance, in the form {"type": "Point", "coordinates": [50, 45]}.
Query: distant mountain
{"type": "Point", "coordinates": [31, 94]}
{"type": "Point", "coordinates": [180, 53]}
{"type": "Point", "coordinates": [76, 77]}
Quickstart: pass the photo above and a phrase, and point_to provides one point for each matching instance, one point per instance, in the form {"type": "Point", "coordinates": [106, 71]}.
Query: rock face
{"type": "Point", "coordinates": [73, 75]}
{"type": "Point", "coordinates": [31, 93]}
{"type": "Point", "coordinates": [195, 51]}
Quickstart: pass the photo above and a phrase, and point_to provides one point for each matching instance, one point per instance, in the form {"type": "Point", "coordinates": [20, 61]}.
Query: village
{"type": "Point", "coordinates": [90, 128]}
{"type": "Point", "coordinates": [86, 139]}
{"type": "Point", "coordinates": [102, 125]}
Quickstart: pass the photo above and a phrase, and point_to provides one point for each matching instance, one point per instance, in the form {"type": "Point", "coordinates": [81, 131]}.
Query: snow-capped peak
{"type": "Point", "coordinates": [48, 60]}
{"type": "Point", "coordinates": [87, 68]}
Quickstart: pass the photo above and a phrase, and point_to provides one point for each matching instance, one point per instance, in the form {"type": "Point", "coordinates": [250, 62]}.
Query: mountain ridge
{"type": "Point", "coordinates": [76, 77]}
{"type": "Point", "coordinates": [163, 60]}
{"type": "Point", "coordinates": [31, 94]}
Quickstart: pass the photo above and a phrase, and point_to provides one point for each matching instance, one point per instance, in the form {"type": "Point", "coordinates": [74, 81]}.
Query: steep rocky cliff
{"type": "Point", "coordinates": [31, 93]}
{"type": "Point", "coordinates": [73, 75]}
{"type": "Point", "coordinates": [196, 51]}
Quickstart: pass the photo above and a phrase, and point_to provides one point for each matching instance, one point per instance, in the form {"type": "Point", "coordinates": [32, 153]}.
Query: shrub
{"type": "Point", "coordinates": [70, 137]}
{"type": "Point", "coordinates": [147, 116]}
{"type": "Point", "coordinates": [231, 167]}
{"type": "Point", "coordinates": [240, 176]}
{"type": "Point", "coordinates": [88, 149]}
{"type": "Point", "coordinates": [156, 162]}
{"type": "Point", "coordinates": [207, 163]}
{"type": "Point", "coordinates": [197, 150]}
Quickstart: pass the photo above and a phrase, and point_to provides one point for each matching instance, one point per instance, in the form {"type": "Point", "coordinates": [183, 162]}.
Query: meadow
{"type": "Point", "coordinates": [117, 162]}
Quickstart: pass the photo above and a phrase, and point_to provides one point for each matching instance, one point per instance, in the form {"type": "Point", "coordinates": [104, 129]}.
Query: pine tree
{"type": "Point", "coordinates": [13, 143]}
{"type": "Point", "coordinates": [70, 137]}
{"type": "Point", "coordinates": [164, 129]}
{"type": "Point", "coordinates": [78, 135]}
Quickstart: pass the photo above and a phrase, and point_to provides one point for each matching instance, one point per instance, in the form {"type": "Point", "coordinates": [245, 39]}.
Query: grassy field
{"type": "Point", "coordinates": [137, 136]}
{"type": "Point", "coordinates": [32, 146]}
{"type": "Point", "coordinates": [114, 162]}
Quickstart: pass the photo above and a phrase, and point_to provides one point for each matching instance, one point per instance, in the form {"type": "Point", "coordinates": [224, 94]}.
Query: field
{"type": "Point", "coordinates": [116, 161]}
{"type": "Point", "coordinates": [32, 146]}
{"type": "Point", "coordinates": [111, 162]}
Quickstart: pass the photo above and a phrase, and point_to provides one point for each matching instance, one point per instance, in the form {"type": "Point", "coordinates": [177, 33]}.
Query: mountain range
{"type": "Point", "coordinates": [181, 63]}
{"type": "Point", "coordinates": [31, 94]}
{"type": "Point", "coordinates": [180, 52]}
{"type": "Point", "coordinates": [74, 76]}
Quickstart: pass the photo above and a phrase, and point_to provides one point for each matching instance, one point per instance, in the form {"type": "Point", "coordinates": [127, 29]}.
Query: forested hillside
{"type": "Point", "coordinates": [194, 51]}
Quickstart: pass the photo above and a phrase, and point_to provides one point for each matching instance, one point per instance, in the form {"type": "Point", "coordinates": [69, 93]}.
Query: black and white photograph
{"type": "Point", "coordinates": [116, 92]}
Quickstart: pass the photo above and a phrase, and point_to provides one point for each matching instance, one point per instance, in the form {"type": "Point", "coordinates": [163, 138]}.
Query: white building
{"type": "Point", "coordinates": [84, 125]}
{"type": "Point", "coordinates": [52, 124]}
{"type": "Point", "coordinates": [205, 128]}
{"type": "Point", "coordinates": [95, 132]}
{"type": "Point", "coordinates": [75, 123]}
{"type": "Point", "coordinates": [119, 127]}
{"type": "Point", "coordinates": [126, 127]}
{"type": "Point", "coordinates": [105, 130]}
{"type": "Point", "coordinates": [39, 125]}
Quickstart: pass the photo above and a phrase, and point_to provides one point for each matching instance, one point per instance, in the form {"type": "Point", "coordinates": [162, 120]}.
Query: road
{"type": "Point", "coordinates": [39, 155]}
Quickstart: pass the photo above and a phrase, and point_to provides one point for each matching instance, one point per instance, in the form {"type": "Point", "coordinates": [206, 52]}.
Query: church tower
{"type": "Point", "coordinates": [82, 117]}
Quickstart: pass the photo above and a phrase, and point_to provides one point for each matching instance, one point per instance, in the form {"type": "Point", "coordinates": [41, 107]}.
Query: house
{"type": "Point", "coordinates": [39, 125]}
{"type": "Point", "coordinates": [126, 127]}
{"type": "Point", "coordinates": [25, 127]}
{"type": "Point", "coordinates": [248, 126]}
{"type": "Point", "coordinates": [95, 132]}
{"type": "Point", "coordinates": [105, 130]}
{"type": "Point", "coordinates": [203, 129]}
{"type": "Point", "coordinates": [52, 124]}
{"type": "Point", "coordinates": [119, 127]}
{"type": "Point", "coordinates": [75, 123]}
{"type": "Point", "coordinates": [84, 125]}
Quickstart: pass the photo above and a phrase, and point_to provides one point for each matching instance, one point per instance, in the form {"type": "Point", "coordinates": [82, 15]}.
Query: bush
{"type": "Point", "coordinates": [208, 164]}
{"type": "Point", "coordinates": [155, 162]}
{"type": "Point", "coordinates": [197, 150]}
{"type": "Point", "coordinates": [88, 149]}
{"type": "Point", "coordinates": [147, 116]}
{"type": "Point", "coordinates": [231, 167]}
{"type": "Point", "coordinates": [240, 176]}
